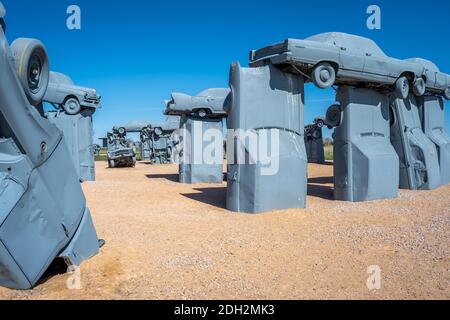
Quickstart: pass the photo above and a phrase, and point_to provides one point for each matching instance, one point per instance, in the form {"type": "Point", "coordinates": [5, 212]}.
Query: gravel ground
{"type": "Point", "coordinates": [165, 240]}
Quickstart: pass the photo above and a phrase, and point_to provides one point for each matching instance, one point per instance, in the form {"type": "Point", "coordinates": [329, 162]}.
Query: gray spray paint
{"type": "Point", "coordinates": [419, 162]}
{"type": "Point", "coordinates": [78, 133]}
{"type": "Point", "coordinates": [366, 166]}
{"type": "Point", "coordinates": [43, 213]}
{"type": "Point", "coordinates": [264, 99]}
{"type": "Point", "coordinates": [433, 120]}
{"type": "Point", "coordinates": [199, 114]}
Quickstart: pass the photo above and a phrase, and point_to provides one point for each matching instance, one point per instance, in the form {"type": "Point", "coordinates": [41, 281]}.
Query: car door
{"type": "Point", "coordinates": [352, 59]}
{"type": "Point", "coordinates": [376, 67]}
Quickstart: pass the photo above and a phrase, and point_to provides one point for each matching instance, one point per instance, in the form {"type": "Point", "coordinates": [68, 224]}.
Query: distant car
{"type": "Point", "coordinates": [436, 81]}
{"type": "Point", "coordinates": [209, 103]}
{"type": "Point", "coordinates": [337, 58]}
{"type": "Point", "coordinates": [63, 92]}
{"type": "Point", "coordinates": [121, 151]}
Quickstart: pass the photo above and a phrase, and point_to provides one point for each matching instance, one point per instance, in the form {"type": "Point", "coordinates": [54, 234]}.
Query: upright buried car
{"type": "Point", "coordinates": [43, 213]}
{"type": "Point", "coordinates": [338, 58]}
{"type": "Point", "coordinates": [121, 151]}
{"type": "Point", "coordinates": [64, 93]}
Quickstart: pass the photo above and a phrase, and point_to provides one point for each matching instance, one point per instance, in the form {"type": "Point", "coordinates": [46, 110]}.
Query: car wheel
{"type": "Point", "coordinates": [447, 93]}
{"type": "Point", "coordinates": [334, 116]}
{"type": "Point", "coordinates": [72, 106]}
{"type": "Point", "coordinates": [201, 113]}
{"type": "Point", "coordinates": [320, 123]}
{"type": "Point", "coordinates": [158, 131]}
{"type": "Point", "coordinates": [324, 75]}
{"type": "Point", "coordinates": [316, 134]}
{"type": "Point", "coordinates": [112, 164]}
{"type": "Point", "coordinates": [419, 87]}
{"type": "Point", "coordinates": [32, 67]}
{"type": "Point", "coordinates": [122, 132]}
{"type": "Point", "coordinates": [402, 88]}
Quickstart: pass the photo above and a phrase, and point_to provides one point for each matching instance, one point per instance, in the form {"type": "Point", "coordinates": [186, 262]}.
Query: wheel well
{"type": "Point", "coordinates": [409, 75]}
{"type": "Point", "coordinates": [70, 97]}
{"type": "Point", "coordinates": [208, 110]}
{"type": "Point", "coordinates": [334, 64]}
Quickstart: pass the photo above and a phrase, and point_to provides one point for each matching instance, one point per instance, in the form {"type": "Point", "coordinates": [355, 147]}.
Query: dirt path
{"type": "Point", "coordinates": [171, 241]}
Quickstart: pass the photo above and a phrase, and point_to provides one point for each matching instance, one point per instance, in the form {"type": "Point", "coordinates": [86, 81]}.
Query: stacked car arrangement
{"type": "Point", "coordinates": [388, 120]}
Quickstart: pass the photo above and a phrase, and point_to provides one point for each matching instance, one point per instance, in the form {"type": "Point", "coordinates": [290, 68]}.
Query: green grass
{"type": "Point", "coordinates": [104, 157]}
{"type": "Point", "coordinates": [329, 153]}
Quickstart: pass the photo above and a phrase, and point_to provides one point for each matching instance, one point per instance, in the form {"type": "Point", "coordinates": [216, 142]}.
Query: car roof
{"type": "Point", "coordinates": [425, 63]}
{"type": "Point", "coordinates": [349, 41]}
{"type": "Point", "coordinates": [215, 93]}
{"type": "Point", "coordinates": [2, 11]}
{"type": "Point", "coordinates": [57, 77]}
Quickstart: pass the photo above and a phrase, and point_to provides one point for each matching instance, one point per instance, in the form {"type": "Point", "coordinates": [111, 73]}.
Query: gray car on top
{"type": "Point", "coordinates": [63, 92]}
{"type": "Point", "coordinates": [436, 81]}
{"type": "Point", "coordinates": [339, 58]}
{"type": "Point", "coordinates": [208, 103]}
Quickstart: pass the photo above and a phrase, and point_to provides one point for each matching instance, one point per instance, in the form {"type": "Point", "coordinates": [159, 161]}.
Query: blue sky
{"type": "Point", "coordinates": [137, 52]}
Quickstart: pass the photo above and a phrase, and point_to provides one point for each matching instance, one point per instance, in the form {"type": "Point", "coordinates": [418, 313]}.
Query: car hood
{"type": "Point", "coordinates": [82, 90]}
{"type": "Point", "coordinates": [427, 64]}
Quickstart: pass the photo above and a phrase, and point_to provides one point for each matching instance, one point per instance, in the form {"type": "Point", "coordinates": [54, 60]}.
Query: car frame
{"type": "Point", "coordinates": [336, 58]}
{"type": "Point", "coordinates": [63, 93]}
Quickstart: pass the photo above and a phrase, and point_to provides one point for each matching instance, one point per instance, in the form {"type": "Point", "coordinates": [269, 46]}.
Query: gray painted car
{"type": "Point", "coordinates": [338, 58]}
{"type": "Point", "coordinates": [436, 81]}
{"type": "Point", "coordinates": [121, 151]}
{"type": "Point", "coordinates": [209, 103]}
{"type": "Point", "coordinates": [43, 212]}
{"type": "Point", "coordinates": [63, 92]}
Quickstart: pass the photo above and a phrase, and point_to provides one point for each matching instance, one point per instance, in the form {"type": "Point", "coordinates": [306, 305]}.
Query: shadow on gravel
{"type": "Point", "coordinates": [212, 196]}
{"type": "Point", "coordinates": [170, 177]}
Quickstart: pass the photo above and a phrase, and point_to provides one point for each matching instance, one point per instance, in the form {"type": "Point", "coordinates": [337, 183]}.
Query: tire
{"type": "Point", "coordinates": [402, 88]}
{"type": "Point", "coordinates": [324, 75]}
{"type": "Point", "coordinates": [201, 113]}
{"type": "Point", "coordinates": [334, 116]}
{"type": "Point", "coordinates": [32, 67]}
{"type": "Point", "coordinates": [316, 135]}
{"type": "Point", "coordinates": [447, 93]}
{"type": "Point", "coordinates": [158, 131]}
{"type": "Point", "coordinates": [112, 164]}
{"type": "Point", "coordinates": [122, 132]}
{"type": "Point", "coordinates": [419, 87]}
{"type": "Point", "coordinates": [320, 123]}
{"type": "Point", "coordinates": [3, 25]}
{"type": "Point", "coordinates": [72, 106]}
